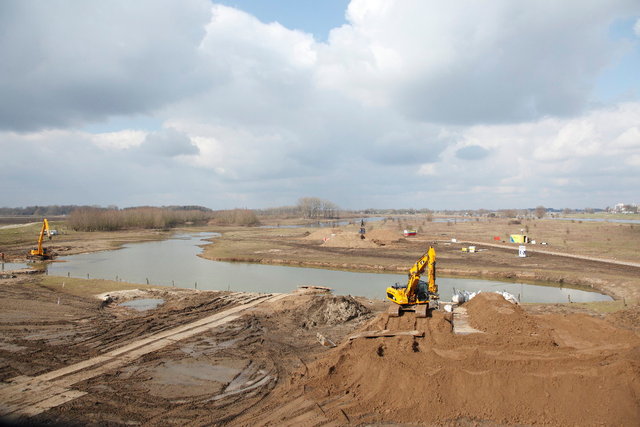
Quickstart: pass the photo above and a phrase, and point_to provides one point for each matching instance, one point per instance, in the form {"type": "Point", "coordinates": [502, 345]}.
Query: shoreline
{"type": "Point", "coordinates": [487, 270]}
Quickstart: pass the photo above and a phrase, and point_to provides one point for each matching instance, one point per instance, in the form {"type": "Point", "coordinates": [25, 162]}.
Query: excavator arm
{"type": "Point", "coordinates": [431, 271]}
{"type": "Point", "coordinates": [409, 295]}
{"type": "Point", "coordinates": [39, 251]}
{"type": "Point", "coordinates": [415, 272]}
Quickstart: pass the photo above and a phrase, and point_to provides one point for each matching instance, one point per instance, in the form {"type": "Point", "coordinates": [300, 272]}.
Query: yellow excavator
{"type": "Point", "coordinates": [40, 252]}
{"type": "Point", "coordinates": [417, 295]}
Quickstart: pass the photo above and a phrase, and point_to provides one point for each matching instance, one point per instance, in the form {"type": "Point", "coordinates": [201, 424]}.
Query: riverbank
{"type": "Point", "coordinates": [386, 250]}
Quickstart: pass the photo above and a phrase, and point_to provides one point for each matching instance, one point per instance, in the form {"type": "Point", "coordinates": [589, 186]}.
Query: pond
{"type": "Point", "coordinates": [174, 262]}
{"type": "Point", "coordinates": [7, 266]}
{"type": "Point", "coordinates": [339, 223]}
{"type": "Point", "coordinates": [616, 220]}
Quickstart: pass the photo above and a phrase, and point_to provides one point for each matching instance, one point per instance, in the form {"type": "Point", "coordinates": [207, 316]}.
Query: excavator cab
{"type": "Point", "coordinates": [417, 295]}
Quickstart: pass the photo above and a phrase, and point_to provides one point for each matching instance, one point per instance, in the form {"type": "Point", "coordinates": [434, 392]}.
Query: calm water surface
{"type": "Point", "coordinates": [6, 266]}
{"type": "Point", "coordinates": [175, 262]}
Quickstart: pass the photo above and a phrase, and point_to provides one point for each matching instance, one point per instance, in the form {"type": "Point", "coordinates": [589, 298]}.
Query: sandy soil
{"type": "Point", "coordinates": [269, 367]}
{"type": "Point", "coordinates": [558, 364]}
{"type": "Point", "coordinates": [524, 370]}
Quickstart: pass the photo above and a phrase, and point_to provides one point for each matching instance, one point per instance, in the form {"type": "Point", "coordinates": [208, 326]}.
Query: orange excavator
{"type": "Point", "coordinates": [40, 252]}
{"type": "Point", "coordinates": [417, 295]}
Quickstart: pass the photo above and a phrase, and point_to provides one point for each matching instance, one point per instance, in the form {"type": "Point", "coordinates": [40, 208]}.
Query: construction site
{"type": "Point", "coordinates": [98, 351]}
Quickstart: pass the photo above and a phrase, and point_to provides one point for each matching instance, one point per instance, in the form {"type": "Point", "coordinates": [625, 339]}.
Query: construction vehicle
{"type": "Point", "coordinates": [417, 295]}
{"type": "Point", "coordinates": [40, 252]}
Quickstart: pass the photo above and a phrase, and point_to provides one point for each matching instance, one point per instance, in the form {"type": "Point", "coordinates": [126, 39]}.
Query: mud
{"type": "Point", "coordinates": [554, 365]}
{"type": "Point", "coordinates": [268, 368]}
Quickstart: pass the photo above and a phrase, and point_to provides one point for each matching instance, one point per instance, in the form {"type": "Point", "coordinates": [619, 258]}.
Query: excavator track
{"type": "Point", "coordinates": [394, 310]}
{"type": "Point", "coordinates": [422, 310]}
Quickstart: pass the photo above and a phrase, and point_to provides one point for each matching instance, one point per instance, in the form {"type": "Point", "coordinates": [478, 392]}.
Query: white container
{"type": "Point", "coordinates": [522, 251]}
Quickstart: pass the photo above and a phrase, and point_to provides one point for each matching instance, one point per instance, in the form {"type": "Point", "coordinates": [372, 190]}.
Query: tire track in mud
{"type": "Point", "coordinates": [30, 396]}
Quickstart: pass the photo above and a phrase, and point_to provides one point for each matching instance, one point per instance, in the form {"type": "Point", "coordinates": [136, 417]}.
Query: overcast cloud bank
{"type": "Point", "coordinates": [410, 104]}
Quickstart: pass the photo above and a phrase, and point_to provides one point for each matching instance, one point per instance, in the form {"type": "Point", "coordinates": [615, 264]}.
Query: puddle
{"type": "Point", "coordinates": [143, 304]}
{"type": "Point", "coordinates": [188, 378]}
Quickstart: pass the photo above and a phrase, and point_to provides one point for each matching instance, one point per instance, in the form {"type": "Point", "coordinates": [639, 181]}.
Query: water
{"type": "Point", "coordinates": [357, 221]}
{"type": "Point", "coordinates": [143, 304]}
{"type": "Point", "coordinates": [620, 221]}
{"type": "Point", "coordinates": [6, 266]}
{"type": "Point", "coordinates": [320, 224]}
{"type": "Point", "coordinates": [175, 262]}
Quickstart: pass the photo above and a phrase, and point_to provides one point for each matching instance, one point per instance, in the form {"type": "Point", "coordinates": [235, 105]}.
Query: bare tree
{"type": "Point", "coordinates": [541, 211]}
{"type": "Point", "coordinates": [313, 207]}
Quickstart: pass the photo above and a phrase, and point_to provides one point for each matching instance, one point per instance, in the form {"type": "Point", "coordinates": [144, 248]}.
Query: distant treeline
{"type": "Point", "coordinates": [307, 207]}
{"type": "Point", "coordinates": [102, 219]}
{"type": "Point", "coordinates": [56, 210]}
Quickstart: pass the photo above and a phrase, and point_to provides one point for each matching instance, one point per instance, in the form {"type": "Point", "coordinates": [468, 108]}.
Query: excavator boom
{"type": "Point", "coordinates": [40, 251]}
{"type": "Point", "coordinates": [416, 295]}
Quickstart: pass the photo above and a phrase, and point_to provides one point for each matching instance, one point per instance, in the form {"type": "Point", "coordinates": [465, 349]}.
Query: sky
{"type": "Point", "coordinates": [366, 103]}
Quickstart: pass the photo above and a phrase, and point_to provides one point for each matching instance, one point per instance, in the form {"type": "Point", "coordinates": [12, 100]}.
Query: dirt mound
{"type": "Point", "coordinates": [444, 378]}
{"type": "Point", "coordinates": [322, 234]}
{"type": "Point", "coordinates": [490, 312]}
{"type": "Point", "coordinates": [333, 310]}
{"type": "Point", "coordinates": [384, 235]}
{"type": "Point", "coordinates": [629, 318]}
{"type": "Point", "coordinates": [349, 240]}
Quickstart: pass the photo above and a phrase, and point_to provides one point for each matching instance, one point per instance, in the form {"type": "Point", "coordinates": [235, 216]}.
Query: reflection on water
{"type": "Point", "coordinates": [7, 266]}
{"type": "Point", "coordinates": [174, 262]}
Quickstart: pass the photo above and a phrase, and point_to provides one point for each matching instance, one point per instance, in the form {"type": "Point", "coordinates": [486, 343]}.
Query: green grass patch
{"type": "Point", "coordinates": [20, 235]}
{"type": "Point", "coordinates": [88, 287]}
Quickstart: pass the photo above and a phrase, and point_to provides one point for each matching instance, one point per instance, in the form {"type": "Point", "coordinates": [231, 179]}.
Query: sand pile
{"type": "Point", "coordinates": [444, 378]}
{"type": "Point", "coordinates": [349, 240]}
{"type": "Point", "coordinates": [333, 310]}
{"type": "Point", "coordinates": [322, 233]}
{"type": "Point", "coordinates": [491, 313]}
{"type": "Point", "coordinates": [384, 235]}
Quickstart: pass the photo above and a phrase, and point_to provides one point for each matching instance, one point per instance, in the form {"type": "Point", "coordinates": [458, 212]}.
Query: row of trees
{"type": "Point", "coordinates": [53, 210]}
{"type": "Point", "coordinates": [101, 219]}
{"type": "Point", "coordinates": [243, 217]}
{"type": "Point", "coordinates": [57, 210]}
{"type": "Point", "coordinates": [307, 207]}
{"type": "Point", "coordinates": [315, 208]}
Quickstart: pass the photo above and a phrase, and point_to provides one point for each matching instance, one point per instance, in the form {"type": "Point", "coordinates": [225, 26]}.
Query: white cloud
{"type": "Point", "coordinates": [465, 62]}
{"type": "Point", "coordinates": [66, 63]}
{"type": "Point", "coordinates": [118, 140]}
{"type": "Point", "coordinates": [413, 103]}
